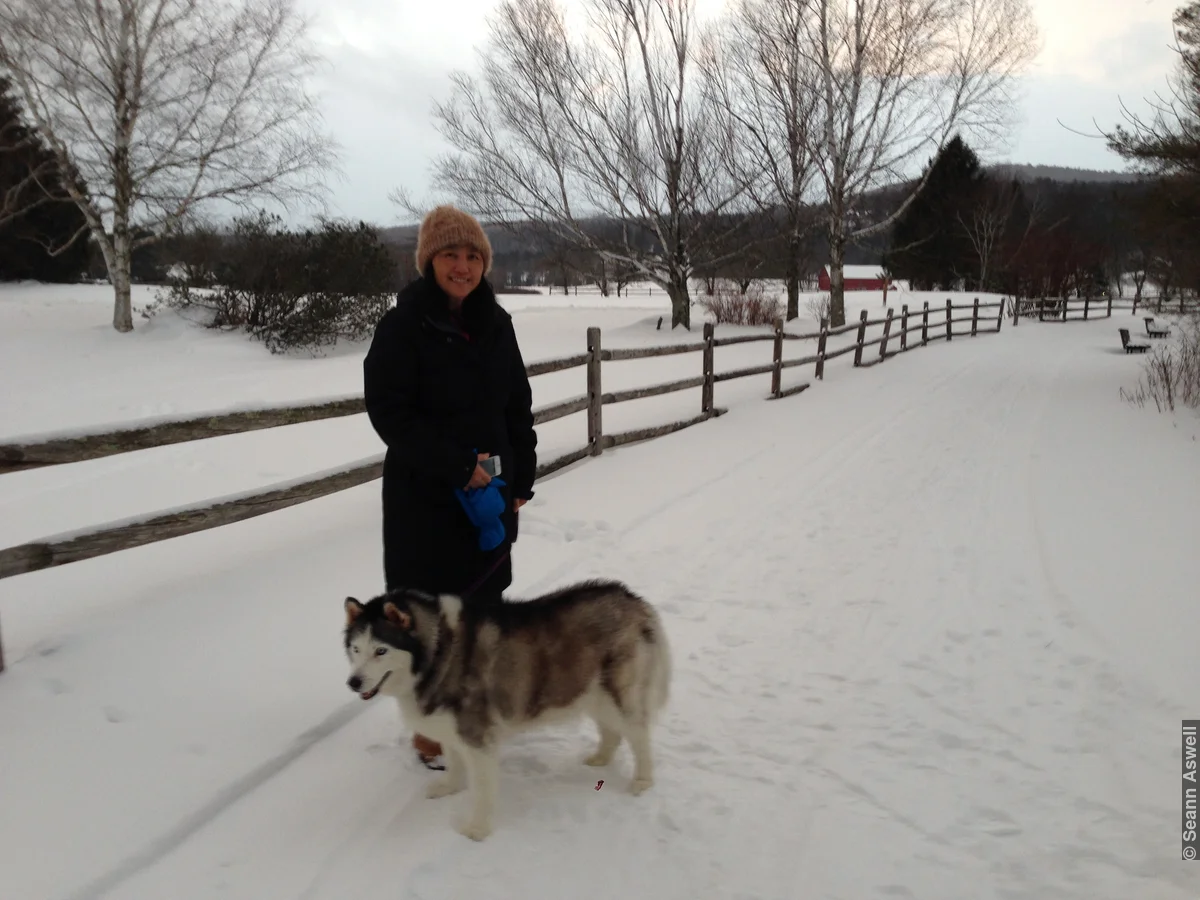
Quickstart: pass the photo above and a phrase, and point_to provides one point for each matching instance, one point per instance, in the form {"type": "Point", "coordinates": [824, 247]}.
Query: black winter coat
{"type": "Point", "coordinates": [436, 392]}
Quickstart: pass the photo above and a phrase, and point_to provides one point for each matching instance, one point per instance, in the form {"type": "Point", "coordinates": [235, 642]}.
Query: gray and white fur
{"type": "Point", "coordinates": [469, 678]}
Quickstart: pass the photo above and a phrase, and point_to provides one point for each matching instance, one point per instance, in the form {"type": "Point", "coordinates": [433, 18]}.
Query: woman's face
{"type": "Point", "coordinates": [458, 271]}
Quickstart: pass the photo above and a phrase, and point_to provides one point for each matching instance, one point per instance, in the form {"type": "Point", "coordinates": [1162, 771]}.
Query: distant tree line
{"type": "Point", "coordinates": [970, 229]}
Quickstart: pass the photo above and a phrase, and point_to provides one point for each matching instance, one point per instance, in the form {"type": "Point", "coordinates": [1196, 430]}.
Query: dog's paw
{"type": "Point", "coordinates": [598, 759]}
{"type": "Point", "coordinates": [443, 787]}
{"type": "Point", "coordinates": [640, 785]}
{"type": "Point", "coordinates": [475, 830]}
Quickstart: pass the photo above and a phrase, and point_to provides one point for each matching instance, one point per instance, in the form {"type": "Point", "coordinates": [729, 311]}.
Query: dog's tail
{"type": "Point", "coordinates": [659, 649]}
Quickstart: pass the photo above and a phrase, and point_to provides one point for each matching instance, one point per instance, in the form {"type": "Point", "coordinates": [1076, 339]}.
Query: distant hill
{"type": "Point", "coordinates": [879, 203]}
{"type": "Point", "coordinates": [1022, 172]}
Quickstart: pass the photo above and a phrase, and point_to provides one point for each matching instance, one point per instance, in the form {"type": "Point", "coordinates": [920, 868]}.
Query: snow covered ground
{"type": "Point", "coordinates": [934, 626]}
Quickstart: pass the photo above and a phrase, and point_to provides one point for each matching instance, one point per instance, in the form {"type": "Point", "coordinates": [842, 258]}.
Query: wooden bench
{"type": "Point", "coordinates": [1155, 330]}
{"type": "Point", "coordinates": [1129, 344]}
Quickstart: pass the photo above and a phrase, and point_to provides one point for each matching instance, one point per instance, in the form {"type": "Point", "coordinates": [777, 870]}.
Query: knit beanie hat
{"type": "Point", "coordinates": [445, 227]}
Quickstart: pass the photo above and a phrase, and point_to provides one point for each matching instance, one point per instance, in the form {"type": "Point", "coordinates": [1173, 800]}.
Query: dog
{"type": "Point", "coordinates": [468, 678]}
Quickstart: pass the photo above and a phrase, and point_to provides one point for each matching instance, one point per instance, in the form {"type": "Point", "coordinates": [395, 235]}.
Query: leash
{"type": "Point", "coordinates": [488, 573]}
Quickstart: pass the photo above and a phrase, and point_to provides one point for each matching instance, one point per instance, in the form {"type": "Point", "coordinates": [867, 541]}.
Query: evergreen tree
{"type": "Point", "coordinates": [38, 222]}
{"type": "Point", "coordinates": [928, 246]}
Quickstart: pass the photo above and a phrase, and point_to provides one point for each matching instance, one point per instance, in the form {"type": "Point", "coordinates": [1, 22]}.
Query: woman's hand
{"type": "Point", "coordinates": [479, 478]}
{"type": "Point", "coordinates": [517, 503]}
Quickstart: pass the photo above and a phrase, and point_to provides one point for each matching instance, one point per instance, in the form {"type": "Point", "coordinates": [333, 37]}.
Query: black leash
{"type": "Point", "coordinates": [488, 573]}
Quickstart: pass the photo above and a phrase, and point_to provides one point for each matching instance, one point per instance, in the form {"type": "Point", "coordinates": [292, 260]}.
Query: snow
{"type": "Point", "coordinates": [933, 626]}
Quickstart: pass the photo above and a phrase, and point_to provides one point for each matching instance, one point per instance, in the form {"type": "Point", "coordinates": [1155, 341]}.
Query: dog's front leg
{"type": "Point", "coordinates": [483, 769]}
{"type": "Point", "coordinates": [453, 781]}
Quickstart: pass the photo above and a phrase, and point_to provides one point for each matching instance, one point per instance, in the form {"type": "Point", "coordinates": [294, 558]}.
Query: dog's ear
{"type": "Point", "coordinates": [451, 607]}
{"type": "Point", "coordinates": [397, 616]}
{"type": "Point", "coordinates": [354, 609]}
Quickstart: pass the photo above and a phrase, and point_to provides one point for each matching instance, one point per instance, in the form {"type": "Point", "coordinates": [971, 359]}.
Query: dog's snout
{"type": "Point", "coordinates": [355, 683]}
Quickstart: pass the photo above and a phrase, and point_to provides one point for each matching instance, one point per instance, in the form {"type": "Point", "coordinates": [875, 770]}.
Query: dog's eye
{"type": "Point", "coordinates": [379, 651]}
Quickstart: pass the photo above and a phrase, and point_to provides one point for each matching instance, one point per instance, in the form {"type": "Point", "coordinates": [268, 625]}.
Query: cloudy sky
{"type": "Point", "coordinates": [389, 60]}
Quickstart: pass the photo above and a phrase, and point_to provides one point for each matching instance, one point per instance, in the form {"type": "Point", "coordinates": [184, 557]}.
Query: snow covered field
{"type": "Point", "coordinates": [934, 626]}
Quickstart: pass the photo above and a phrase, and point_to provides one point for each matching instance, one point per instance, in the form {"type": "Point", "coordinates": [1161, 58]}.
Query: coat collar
{"type": "Point", "coordinates": [480, 310]}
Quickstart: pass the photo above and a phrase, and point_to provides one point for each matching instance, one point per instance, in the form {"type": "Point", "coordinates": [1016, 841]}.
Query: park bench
{"type": "Point", "coordinates": [1129, 344]}
{"type": "Point", "coordinates": [1155, 330]}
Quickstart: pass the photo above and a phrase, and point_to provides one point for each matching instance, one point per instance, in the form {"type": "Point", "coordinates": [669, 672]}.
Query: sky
{"type": "Point", "coordinates": [388, 61]}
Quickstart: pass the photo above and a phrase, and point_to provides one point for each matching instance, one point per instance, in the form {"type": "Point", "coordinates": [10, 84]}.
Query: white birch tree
{"type": "Point", "coordinates": [897, 79]}
{"type": "Point", "coordinates": [767, 83]}
{"type": "Point", "coordinates": [607, 143]}
{"type": "Point", "coordinates": [164, 106]}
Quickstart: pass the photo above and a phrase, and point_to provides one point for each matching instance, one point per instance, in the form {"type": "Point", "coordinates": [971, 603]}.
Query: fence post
{"type": "Point", "coordinates": [821, 349]}
{"type": "Point", "coordinates": [887, 329]}
{"type": "Point", "coordinates": [777, 372]}
{"type": "Point", "coordinates": [1087, 306]}
{"type": "Point", "coordinates": [903, 327]}
{"type": "Point", "coordinates": [925, 324]}
{"type": "Point", "coordinates": [1065, 303]}
{"type": "Point", "coordinates": [595, 396]}
{"type": "Point", "coordinates": [1000, 316]}
{"type": "Point", "coordinates": [1109, 316]}
{"type": "Point", "coordinates": [706, 392]}
{"type": "Point", "coordinates": [862, 336]}
{"type": "Point", "coordinates": [975, 318]}
{"type": "Point", "coordinates": [949, 320]}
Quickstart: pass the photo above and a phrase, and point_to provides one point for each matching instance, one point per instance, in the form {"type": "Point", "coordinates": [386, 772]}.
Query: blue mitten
{"type": "Point", "coordinates": [484, 507]}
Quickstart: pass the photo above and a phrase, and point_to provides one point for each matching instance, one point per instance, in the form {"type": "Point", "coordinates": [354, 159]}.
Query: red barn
{"type": "Point", "coordinates": [857, 278]}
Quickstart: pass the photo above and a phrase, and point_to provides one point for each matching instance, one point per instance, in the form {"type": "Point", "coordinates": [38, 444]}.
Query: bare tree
{"type": "Point", "coordinates": [897, 79]}
{"type": "Point", "coordinates": [987, 224]}
{"type": "Point", "coordinates": [767, 83]}
{"type": "Point", "coordinates": [576, 135]}
{"type": "Point", "coordinates": [162, 106]}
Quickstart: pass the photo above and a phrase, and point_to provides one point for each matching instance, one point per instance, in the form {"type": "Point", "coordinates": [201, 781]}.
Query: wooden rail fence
{"type": "Point", "coordinates": [1083, 309]}
{"type": "Point", "coordinates": [933, 324]}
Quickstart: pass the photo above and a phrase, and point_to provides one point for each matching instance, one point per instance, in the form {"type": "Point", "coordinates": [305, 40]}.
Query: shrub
{"type": "Point", "coordinates": [293, 289]}
{"type": "Point", "coordinates": [729, 306]}
{"type": "Point", "coordinates": [1172, 371]}
{"type": "Point", "coordinates": [820, 307]}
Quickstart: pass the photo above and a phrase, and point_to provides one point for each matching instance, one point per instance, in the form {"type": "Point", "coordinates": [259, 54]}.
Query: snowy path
{"type": "Point", "coordinates": [928, 645]}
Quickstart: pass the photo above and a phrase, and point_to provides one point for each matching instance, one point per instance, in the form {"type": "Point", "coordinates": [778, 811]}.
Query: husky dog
{"type": "Point", "coordinates": [467, 678]}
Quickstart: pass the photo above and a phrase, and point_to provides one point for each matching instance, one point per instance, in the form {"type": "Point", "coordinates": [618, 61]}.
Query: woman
{"type": "Point", "coordinates": [446, 388]}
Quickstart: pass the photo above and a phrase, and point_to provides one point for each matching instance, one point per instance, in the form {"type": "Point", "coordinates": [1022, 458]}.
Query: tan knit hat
{"type": "Point", "coordinates": [445, 227]}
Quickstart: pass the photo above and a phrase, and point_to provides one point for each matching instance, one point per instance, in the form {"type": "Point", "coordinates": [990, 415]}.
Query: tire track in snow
{"type": "Point", "coordinates": [238, 790]}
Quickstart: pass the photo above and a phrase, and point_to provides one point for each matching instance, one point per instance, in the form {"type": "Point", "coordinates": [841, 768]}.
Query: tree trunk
{"type": "Point", "coordinates": [681, 303]}
{"type": "Point", "coordinates": [792, 276]}
{"type": "Point", "coordinates": [123, 301]}
{"type": "Point", "coordinates": [837, 276]}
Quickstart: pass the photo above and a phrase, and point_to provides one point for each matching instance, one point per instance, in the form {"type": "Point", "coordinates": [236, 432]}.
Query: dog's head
{"type": "Point", "coordinates": [389, 639]}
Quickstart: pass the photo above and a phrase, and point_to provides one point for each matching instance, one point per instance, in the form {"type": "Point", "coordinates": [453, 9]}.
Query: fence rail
{"type": "Point", "coordinates": [165, 524]}
{"type": "Point", "coordinates": [1083, 309]}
